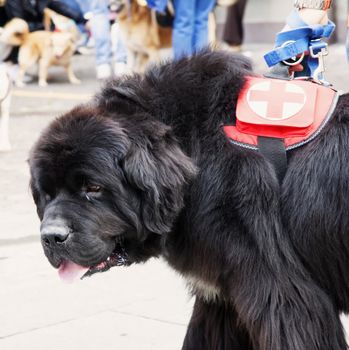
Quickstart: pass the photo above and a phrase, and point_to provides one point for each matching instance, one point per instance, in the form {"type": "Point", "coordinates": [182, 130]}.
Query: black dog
{"type": "Point", "coordinates": [146, 170]}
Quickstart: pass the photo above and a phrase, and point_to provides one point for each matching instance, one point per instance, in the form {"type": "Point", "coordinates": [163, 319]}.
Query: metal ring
{"type": "Point", "coordinates": [295, 63]}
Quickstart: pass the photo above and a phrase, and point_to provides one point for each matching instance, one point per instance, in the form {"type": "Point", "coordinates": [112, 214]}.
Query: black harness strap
{"type": "Point", "coordinates": [273, 149]}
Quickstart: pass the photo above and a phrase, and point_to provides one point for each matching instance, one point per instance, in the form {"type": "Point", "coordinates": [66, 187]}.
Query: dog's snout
{"type": "Point", "coordinates": [53, 234]}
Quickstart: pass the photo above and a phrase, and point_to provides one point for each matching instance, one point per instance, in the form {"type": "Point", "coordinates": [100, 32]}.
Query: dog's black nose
{"type": "Point", "coordinates": [52, 235]}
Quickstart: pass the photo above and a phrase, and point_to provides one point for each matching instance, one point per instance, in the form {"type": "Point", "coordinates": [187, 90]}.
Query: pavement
{"type": "Point", "coordinates": [141, 307]}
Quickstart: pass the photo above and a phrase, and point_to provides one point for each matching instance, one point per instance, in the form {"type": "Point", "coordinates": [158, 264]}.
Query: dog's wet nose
{"type": "Point", "coordinates": [52, 235]}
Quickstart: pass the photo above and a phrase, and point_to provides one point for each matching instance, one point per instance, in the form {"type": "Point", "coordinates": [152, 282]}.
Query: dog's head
{"type": "Point", "coordinates": [106, 190]}
{"type": "Point", "coordinates": [126, 8]}
{"type": "Point", "coordinates": [62, 43]}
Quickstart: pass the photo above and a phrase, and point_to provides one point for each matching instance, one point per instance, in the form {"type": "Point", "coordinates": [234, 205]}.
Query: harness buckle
{"type": "Point", "coordinates": [318, 75]}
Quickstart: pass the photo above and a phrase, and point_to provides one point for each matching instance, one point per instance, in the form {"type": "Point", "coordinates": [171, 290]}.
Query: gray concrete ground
{"type": "Point", "coordinates": [142, 307]}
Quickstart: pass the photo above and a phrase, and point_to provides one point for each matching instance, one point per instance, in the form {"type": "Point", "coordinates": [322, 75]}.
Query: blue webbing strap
{"type": "Point", "coordinates": [298, 40]}
{"type": "Point", "coordinates": [157, 5]}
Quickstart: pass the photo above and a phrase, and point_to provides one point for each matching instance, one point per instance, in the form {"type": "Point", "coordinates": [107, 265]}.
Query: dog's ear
{"type": "Point", "coordinates": [124, 95]}
{"type": "Point", "coordinates": [129, 93]}
{"type": "Point", "coordinates": [159, 170]}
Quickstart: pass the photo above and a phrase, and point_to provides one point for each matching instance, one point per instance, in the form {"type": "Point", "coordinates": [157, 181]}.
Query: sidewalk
{"type": "Point", "coordinates": [142, 307]}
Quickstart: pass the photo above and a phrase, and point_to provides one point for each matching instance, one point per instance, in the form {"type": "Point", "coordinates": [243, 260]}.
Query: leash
{"type": "Point", "coordinates": [302, 44]}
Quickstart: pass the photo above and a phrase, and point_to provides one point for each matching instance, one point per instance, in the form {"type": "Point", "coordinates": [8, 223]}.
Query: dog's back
{"type": "Point", "coordinates": [44, 43]}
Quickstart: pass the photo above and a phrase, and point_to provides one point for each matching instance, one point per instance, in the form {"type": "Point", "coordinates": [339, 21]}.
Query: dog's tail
{"type": "Point", "coordinates": [15, 32]}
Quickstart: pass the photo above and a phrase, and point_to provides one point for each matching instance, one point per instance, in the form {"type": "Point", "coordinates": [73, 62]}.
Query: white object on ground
{"type": "Point", "coordinates": [120, 68]}
{"type": "Point", "coordinates": [103, 71]}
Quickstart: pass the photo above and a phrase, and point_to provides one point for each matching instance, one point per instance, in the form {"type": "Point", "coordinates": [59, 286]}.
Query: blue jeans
{"type": "Point", "coordinates": [100, 27]}
{"type": "Point", "coordinates": [74, 5]}
{"type": "Point", "coordinates": [120, 54]}
{"type": "Point", "coordinates": [190, 29]}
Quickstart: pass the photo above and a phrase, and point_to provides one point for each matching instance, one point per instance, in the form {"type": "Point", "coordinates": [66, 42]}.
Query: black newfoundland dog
{"type": "Point", "coordinates": [145, 170]}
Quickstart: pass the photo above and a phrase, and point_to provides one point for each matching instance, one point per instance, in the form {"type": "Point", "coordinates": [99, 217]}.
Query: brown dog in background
{"type": "Point", "coordinates": [141, 34]}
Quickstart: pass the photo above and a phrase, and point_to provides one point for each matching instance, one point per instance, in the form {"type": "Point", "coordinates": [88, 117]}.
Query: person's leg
{"type": "Point", "coordinates": [119, 46]}
{"type": "Point", "coordinates": [233, 28]}
{"type": "Point", "coordinates": [119, 50]}
{"type": "Point", "coordinates": [100, 28]}
{"type": "Point", "coordinates": [120, 66]}
{"type": "Point", "coordinates": [3, 16]}
{"type": "Point", "coordinates": [84, 5]}
{"type": "Point", "coordinates": [183, 28]}
{"type": "Point", "coordinates": [202, 10]}
{"type": "Point", "coordinates": [73, 4]}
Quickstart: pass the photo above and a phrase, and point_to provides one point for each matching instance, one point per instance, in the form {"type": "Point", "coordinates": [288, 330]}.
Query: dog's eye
{"type": "Point", "coordinates": [91, 191]}
{"type": "Point", "coordinates": [93, 188]}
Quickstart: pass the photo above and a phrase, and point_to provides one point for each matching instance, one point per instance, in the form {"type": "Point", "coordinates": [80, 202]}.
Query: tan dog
{"type": "Point", "coordinates": [47, 48]}
{"type": "Point", "coordinates": [141, 34]}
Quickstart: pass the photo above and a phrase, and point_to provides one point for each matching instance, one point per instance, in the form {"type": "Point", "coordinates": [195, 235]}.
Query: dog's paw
{"type": "Point", "coordinates": [43, 83]}
{"type": "Point", "coordinates": [75, 81]}
{"type": "Point", "coordinates": [20, 84]}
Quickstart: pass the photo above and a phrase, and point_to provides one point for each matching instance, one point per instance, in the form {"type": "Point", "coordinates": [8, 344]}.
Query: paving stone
{"type": "Point", "coordinates": [106, 330]}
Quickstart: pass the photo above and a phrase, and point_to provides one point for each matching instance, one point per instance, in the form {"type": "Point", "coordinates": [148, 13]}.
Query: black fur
{"type": "Point", "coordinates": [274, 257]}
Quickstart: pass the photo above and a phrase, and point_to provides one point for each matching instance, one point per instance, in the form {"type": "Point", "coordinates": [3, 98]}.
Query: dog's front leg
{"type": "Point", "coordinates": [43, 68]}
{"type": "Point", "coordinates": [286, 312]}
{"type": "Point", "coordinates": [131, 60]}
{"type": "Point", "coordinates": [275, 299]}
{"type": "Point", "coordinates": [281, 307]}
{"type": "Point", "coordinates": [20, 76]}
{"type": "Point", "coordinates": [214, 325]}
{"type": "Point", "coordinates": [71, 76]}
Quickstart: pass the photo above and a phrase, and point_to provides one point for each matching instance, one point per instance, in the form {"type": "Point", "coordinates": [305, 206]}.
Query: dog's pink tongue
{"type": "Point", "coordinates": [70, 272]}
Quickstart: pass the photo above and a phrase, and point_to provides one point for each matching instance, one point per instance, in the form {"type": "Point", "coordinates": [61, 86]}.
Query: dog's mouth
{"type": "Point", "coordinates": [69, 271]}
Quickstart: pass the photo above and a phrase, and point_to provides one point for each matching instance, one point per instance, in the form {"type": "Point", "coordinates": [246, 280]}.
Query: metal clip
{"type": "Point", "coordinates": [318, 76]}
